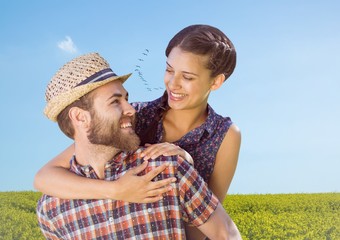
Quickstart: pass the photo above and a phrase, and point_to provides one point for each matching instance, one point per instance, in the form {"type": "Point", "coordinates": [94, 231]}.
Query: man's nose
{"type": "Point", "coordinates": [128, 110]}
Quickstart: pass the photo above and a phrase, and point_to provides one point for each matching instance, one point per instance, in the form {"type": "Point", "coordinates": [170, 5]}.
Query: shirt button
{"type": "Point", "coordinates": [110, 219]}
{"type": "Point", "coordinates": [87, 170]}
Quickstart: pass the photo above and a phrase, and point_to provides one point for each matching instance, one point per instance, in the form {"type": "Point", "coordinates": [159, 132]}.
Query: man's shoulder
{"type": "Point", "coordinates": [177, 166]}
{"type": "Point", "coordinates": [135, 155]}
{"type": "Point", "coordinates": [173, 161]}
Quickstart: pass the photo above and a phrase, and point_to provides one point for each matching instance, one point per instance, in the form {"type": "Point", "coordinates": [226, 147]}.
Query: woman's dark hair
{"type": "Point", "coordinates": [207, 41]}
{"type": "Point", "coordinates": [202, 40]}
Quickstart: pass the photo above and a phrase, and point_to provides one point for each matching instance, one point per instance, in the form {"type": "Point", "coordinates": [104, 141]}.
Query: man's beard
{"type": "Point", "coordinates": [108, 133]}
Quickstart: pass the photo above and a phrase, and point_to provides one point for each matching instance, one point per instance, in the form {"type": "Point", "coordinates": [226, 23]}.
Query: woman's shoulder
{"type": "Point", "coordinates": [216, 120]}
{"type": "Point", "coordinates": [227, 129]}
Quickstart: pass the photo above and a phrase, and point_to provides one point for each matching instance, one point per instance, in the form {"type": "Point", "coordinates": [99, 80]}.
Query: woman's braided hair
{"type": "Point", "coordinates": [207, 41]}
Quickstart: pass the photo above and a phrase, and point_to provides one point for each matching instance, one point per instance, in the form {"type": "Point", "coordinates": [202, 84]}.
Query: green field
{"type": "Point", "coordinates": [273, 216]}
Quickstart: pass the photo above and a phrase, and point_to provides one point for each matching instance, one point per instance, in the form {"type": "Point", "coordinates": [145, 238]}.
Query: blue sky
{"type": "Point", "coordinates": [284, 93]}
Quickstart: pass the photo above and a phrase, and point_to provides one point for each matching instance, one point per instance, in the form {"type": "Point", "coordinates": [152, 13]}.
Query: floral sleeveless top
{"type": "Point", "coordinates": [202, 142]}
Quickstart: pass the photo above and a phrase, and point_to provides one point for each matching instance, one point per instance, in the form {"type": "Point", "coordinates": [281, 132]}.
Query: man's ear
{"type": "Point", "coordinates": [79, 117]}
{"type": "Point", "coordinates": [218, 81]}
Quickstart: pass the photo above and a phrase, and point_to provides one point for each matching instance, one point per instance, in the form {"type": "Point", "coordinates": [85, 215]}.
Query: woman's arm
{"type": "Point", "coordinates": [224, 169]}
{"type": "Point", "coordinates": [55, 179]}
{"type": "Point", "coordinates": [220, 226]}
{"type": "Point", "coordinates": [225, 163]}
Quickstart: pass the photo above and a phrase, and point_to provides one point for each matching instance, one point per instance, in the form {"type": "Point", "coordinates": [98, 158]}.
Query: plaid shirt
{"type": "Point", "coordinates": [190, 201]}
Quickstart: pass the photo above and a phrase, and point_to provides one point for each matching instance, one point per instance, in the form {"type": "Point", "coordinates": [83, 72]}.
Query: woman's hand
{"type": "Point", "coordinates": [141, 189]}
{"type": "Point", "coordinates": [166, 149]}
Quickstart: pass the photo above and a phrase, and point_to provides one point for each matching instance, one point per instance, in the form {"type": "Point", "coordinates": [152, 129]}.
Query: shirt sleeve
{"type": "Point", "coordinates": [198, 202]}
{"type": "Point", "coordinates": [46, 226]}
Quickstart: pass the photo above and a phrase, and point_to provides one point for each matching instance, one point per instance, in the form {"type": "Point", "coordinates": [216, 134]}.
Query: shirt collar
{"type": "Point", "coordinates": [76, 167]}
{"type": "Point", "coordinates": [117, 161]}
{"type": "Point", "coordinates": [210, 124]}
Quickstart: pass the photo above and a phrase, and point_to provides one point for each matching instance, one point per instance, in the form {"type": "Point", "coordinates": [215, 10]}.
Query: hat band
{"type": "Point", "coordinates": [98, 76]}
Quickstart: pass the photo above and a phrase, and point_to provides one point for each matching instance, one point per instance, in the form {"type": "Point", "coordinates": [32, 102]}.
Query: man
{"type": "Point", "coordinates": [91, 106]}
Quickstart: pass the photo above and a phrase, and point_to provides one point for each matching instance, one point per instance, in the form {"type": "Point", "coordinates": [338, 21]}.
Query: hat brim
{"type": "Point", "coordinates": [60, 102]}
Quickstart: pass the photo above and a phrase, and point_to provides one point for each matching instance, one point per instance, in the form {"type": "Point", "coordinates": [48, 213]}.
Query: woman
{"type": "Point", "coordinates": [199, 59]}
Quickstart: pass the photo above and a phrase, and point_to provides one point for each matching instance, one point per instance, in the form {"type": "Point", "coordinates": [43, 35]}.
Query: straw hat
{"type": "Point", "coordinates": [75, 79]}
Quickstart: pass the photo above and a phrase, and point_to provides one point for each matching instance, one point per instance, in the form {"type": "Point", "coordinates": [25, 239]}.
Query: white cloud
{"type": "Point", "coordinates": [67, 45]}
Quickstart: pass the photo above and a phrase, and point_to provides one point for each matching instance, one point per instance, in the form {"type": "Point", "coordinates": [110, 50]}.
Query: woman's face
{"type": "Point", "coordinates": [187, 80]}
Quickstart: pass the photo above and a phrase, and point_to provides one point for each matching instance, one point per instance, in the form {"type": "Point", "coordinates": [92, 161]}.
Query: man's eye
{"type": "Point", "coordinates": [115, 101]}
